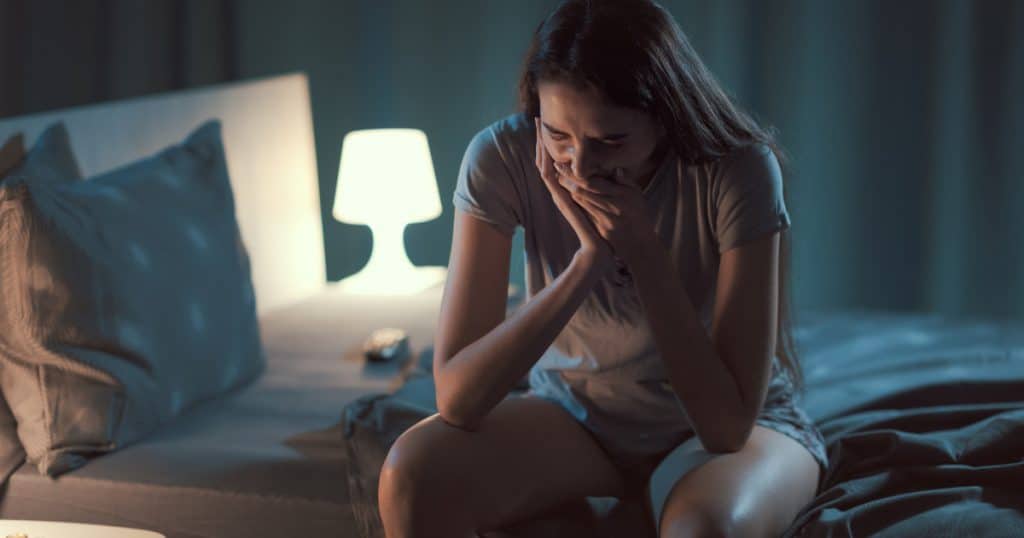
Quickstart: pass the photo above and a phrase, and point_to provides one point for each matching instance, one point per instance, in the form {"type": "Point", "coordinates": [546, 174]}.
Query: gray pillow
{"type": "Point", "coordinates": [129, 298]}
{"type": "Point", "coordinates": [50, 159]}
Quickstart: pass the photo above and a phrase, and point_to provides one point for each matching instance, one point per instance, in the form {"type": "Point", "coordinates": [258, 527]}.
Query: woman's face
{"type": "Point", "coordinates": [589, 137]}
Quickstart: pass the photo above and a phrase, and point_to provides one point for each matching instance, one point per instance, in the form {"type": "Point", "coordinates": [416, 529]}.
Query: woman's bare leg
{"type": "Point", "coordinates": [528, 455]}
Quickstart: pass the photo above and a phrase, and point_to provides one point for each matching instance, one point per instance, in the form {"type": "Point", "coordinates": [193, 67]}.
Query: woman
{"type": "Point", "coordinates": [653, 212]}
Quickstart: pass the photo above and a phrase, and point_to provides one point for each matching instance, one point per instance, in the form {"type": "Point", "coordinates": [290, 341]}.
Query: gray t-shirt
{"type": "Point", "coordinates": [604, 366]}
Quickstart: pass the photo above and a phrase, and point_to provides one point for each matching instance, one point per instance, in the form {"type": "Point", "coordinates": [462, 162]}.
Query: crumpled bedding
{"type": "Point", "coordinates": [923, 417]}
{"type": "Point", "coordinates": [924, 421]}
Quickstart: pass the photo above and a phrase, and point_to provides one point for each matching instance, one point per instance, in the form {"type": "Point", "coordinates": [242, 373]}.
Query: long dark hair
{"type": "Point", "coordinates": [634, 53]}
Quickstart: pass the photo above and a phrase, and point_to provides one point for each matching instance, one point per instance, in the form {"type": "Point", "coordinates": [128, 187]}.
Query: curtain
{"type": "Point", "coordinates": [56, 54]}
{"type": "Point", "coordinates": [903, 120]}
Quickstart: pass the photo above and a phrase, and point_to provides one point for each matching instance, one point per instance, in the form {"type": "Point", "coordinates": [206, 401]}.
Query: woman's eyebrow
{"type": "Point", "coordinates": [611, 136]}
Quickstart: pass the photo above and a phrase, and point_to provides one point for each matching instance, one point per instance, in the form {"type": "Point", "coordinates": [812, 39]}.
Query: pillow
{"type": "Point", "coordinates": [11, 153]}
{"type": "Point", "coordinates": [50, 160]}
{"type": "Point", "coordinates": [11, 453]}
{"type": "Point", "coordinates": [129, 298]}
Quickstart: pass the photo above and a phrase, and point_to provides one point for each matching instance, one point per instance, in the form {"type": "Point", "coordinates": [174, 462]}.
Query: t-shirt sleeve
{"type": "Point", "coordinates": [485, 187]}
{"type": "Point", "coordinates": [750, 200]}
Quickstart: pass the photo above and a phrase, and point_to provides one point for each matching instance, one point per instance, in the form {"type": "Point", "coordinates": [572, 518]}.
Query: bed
{"type": "Point", "coordinates": [923, 415]}
{"type": "Point", "coordinates": [267, 459]}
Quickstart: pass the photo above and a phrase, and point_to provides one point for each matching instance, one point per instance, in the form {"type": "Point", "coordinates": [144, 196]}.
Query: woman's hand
{"type": "Point", "coordinates": [592, 245]}
{"type": "Point", "coordinates": [617, 209]}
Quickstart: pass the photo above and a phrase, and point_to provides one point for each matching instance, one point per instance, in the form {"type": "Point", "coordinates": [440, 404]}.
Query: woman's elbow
{"type": "Point", "coordinates": [452, 411]}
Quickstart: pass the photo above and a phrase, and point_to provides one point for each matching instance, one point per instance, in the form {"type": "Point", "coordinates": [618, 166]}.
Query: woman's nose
{"type": "Point", "coordinates": [583, 163]}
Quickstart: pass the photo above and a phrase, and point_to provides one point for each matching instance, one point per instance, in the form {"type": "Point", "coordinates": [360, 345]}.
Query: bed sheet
{"type": "Point", "coordinates": [923, 417]}
{"type": "Point", "coordinates": [266, 460]}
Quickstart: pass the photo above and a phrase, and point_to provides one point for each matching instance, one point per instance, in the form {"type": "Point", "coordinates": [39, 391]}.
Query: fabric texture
{"type": "Point", "coordinates": [128, 298]}
{"type": "Point", "coordinates": [921, 414]}
{"type": "Point", "coordinates": [12, 152]}
{"type": "Point", "coordinates": [265, 460]}
{"type": "Point", "coordinates": [51, 160]}
{"type": "Point", "coordinates": [923, 419]}
{"type": "Point", "coordinates": [604, 367]}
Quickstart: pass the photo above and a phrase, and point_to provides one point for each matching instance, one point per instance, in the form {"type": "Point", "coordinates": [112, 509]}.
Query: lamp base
{"type": "Point", "coordinates": [405, 281]}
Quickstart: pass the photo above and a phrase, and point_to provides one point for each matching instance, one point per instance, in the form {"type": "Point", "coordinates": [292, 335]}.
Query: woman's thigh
{"type": "Point", "coordinates": [756, 491]}
{"type": "Point", "coordinates": [527, 455]}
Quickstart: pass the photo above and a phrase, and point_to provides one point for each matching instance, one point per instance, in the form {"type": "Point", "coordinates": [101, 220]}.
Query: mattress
{"type": "Point", "coordinates": [266, 460]}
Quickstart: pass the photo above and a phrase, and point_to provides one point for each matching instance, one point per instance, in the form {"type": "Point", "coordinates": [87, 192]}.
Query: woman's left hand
{"type": "Point", "coordinates": [617, 209]}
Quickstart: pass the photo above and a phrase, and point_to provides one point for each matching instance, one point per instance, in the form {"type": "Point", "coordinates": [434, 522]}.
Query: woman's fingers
{"type": "Point", "coordinates": [597, 203]}
{"type": "Point", "coordinates": [597, 214]}
{"type": "Point", "coordinates": [598, 185]}
{"type": "Point", "coordinates": [573, 213]}
{"type": "Point", "coordinates": [542, 157]}
{"type": "Point", "coordinates": [603, 202]}
{"type": "Point", "coordinates": [574, 187]}
{"type": "Point", "coordinates": [548, 172]}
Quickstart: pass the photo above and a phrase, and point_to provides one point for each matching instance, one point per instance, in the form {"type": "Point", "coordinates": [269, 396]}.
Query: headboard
{"type": "Point", "coordinates": [267, 128]}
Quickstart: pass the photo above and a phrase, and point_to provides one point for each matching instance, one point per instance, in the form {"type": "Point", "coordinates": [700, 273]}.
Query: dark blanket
{"type": "Point", "coordinates": [924, 421]}
{"type": "Point", "coordinates": [923, 417]}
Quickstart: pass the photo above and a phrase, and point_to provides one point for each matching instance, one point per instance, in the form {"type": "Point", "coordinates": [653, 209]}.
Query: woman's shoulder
{"type": "Point", "coordinates": [751, 154]}
{"type": "Point", "coordinates": [509, 139]}
{"type": "Point", "coordinates": [492, 181]}
{"type": "Point", "coordinates": [754, 161]}
{"type": "Point", "coordinates": [513, 129]}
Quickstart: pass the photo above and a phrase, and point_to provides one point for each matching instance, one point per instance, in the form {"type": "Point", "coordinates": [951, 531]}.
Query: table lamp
{"type": "Point", "coordinates": [386, 181]}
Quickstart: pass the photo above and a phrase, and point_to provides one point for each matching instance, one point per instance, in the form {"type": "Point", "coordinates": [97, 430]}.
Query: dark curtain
{"type": "Point", "coordinates": [55, 54]}
{"type": "Point", "coordinates": [903, 120]}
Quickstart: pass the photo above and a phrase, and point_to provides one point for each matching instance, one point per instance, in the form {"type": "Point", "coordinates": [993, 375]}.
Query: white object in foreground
{"type": "Point", "coordinates": [53, 529]}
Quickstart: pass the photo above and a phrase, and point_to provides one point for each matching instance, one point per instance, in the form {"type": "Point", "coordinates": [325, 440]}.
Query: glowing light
{"type": "Point", "coordinates": [386, 181]}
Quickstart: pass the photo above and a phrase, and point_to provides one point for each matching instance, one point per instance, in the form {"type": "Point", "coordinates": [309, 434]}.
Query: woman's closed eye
{"type": "Point", "coordinates": [601, 144]}
{"type": "Point", "coordinates": [611, 143]}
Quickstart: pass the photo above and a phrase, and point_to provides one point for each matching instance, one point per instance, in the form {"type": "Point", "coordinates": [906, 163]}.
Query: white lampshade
{"type": "Point", "coordinates": [386, 181]}
{"type": "Point", "coordinates": [386, 175]}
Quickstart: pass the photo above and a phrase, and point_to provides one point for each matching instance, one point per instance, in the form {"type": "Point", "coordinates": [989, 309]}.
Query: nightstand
{"type": "Point", "coordinates": [335, 322]}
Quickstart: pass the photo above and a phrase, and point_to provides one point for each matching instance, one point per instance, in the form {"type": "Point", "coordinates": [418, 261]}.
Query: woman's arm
{"type": "Point", "coordinates": [481, 374]}
{"type": "Point", "coordinates": [479, 360]}
{"type": "Point", "coordinates": [703, 382]}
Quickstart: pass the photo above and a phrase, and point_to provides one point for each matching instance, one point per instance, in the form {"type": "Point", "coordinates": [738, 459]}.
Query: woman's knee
{"type": "Point", "coordinates": [408, 455]}
{"type": "Point", "coordinates": [698, 520]}
{"type": "Point", "coordinates": [702, 521]}
{"type": "Point", "coordinates": [417, 492]}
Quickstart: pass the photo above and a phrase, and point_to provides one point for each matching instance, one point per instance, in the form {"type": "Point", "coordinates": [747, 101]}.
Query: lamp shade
{"type": "Point", "coordinates": [386, 175]}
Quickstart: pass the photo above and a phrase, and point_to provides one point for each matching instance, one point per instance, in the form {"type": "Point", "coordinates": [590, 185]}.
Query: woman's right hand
{"type": "Point", "coordinates": [593, 247]}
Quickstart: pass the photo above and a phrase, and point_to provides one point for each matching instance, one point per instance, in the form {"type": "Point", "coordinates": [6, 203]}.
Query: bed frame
{"type": "Point", "coordinates": [267, 128]}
